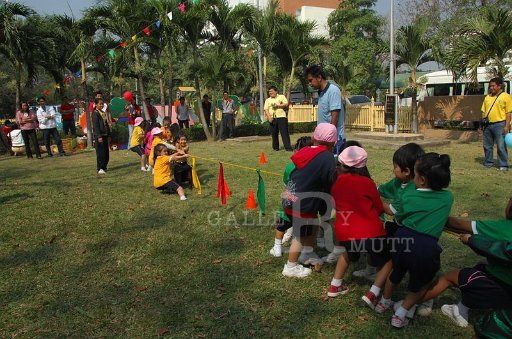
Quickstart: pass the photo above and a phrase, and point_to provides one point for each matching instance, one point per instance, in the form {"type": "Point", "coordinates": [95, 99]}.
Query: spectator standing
{"type": "Point", "coordinates": [101, 130]}
{"type": "Point", "coordinates": [228, 117]}
{"type": "Point", "coordinates": [275, 106]}
{"type": "Point", "coordinates": [497, 108]}
{"type": "Point", "coordinates": [47, 123]}
{"type": "Point", "coordinates": [27, 122]}
{"type": "Point", "coordinates": [68, 117]}
{"type": "Point", "coordinates": [207, 109]}
{"type": "Point", "coordinates": [330, 108]}
{"type": "Point", "coordinates": [182, 114]}
{"type": "Point", "coordinates": [153, 113]}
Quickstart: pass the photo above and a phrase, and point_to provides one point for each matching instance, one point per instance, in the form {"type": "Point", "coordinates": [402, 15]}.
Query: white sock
{"type": "Point", "coordinates": [291, 264]}
{"type": "Point", "coordinates": [183, 198]}
{"type": "Point", "coordinates": [375, 290]}
{"type": "Point", "coordinates": [307, 249]}
{"type": "Point", "coordinates": [336, 282]}
{"type": "Point", "coordinates": [143, 168]}
{"type": "Point", "coordinates": [385, 301]}
{"type": "Point", "coordinates": [463, 310]}
{"type": "Point", "coordinates": [371, 269]}
{"type": "Point", "coordinates": [278, 242]}
{"type": "Point", "coordinates": [338, 250]}
{"type": "Point", "coordinates": [401, 312]}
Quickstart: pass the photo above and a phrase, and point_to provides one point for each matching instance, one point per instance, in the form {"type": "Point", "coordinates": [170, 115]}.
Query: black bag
{"type": "Point", "coordinates": [484, 122]}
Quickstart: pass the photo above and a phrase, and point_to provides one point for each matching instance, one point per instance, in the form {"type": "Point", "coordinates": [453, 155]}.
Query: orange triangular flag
{"type": "Point", "coordinates": [226, 188]}
{"type": "Point", "coordinates": [263, 160]}
{"type": "Point", "coordinates": [251, 202]}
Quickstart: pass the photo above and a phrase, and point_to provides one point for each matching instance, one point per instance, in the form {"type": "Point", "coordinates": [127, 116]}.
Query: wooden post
{"type": "Point", "coordinates": [372, 114]}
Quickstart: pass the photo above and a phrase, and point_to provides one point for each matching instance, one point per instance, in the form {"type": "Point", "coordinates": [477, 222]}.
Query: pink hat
{"type": "Point", "coordinates": [156, 130]}
{"type": "Point", "coordinates": [325, 132]}
{"type": "Point", "coordinates": [353, 156]}
{"type": "Point", "coordinates": [138, 121]}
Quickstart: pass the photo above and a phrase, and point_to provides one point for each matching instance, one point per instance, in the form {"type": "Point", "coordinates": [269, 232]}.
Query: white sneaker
{"type": "Point", "coordinates": [183, 198]}
{"type": "Point", "coordinates": [452, 311]}
{"type": "Point", "coordinates": [364, 274]}
{"type": "Point", "coordinates": [398, 322]}
{"type": "Point", "coordinates": [309, 258]}
{"type": "Point", "coordinates": [276, 252]}
{"type": "Point", "coordinates": [331, 258]}
{"type": "Point", "coordinates": [297, 271]}
{"type": "Point", "coordinates": [410, 313]}
{"type": "Point", "coordinates": [143, 169]}
{"type": "Point", "coordinates": [288, 235]}
{"type": "Point", "coordinates": [101, 171]}
{"type": "Point", "coordinates": [425, 308]}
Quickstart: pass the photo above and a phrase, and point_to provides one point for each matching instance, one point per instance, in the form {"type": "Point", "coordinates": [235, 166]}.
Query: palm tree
{"type": "Point", "coordinates": [483, 39]}
{"type": "Point", "coordinates": [124, 19]}
{"type": "Point", "coordinates": [14, 44]}
{"type": "Point", "coordinates": [295, 42]}
{"type": "Point", "coordinates": [413, 49]}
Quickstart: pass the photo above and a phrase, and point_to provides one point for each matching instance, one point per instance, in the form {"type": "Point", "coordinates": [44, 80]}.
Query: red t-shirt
{"type": "Point", "coordinates": [358, 208]}
{"type": "Point", "coordinates": [67, 116]}
{"type": "Point", "coordinates": [133, 112]}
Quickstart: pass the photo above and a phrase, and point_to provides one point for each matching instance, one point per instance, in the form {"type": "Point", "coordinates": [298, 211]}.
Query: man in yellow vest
{"type": "Point", "coordinates": [496, 111]}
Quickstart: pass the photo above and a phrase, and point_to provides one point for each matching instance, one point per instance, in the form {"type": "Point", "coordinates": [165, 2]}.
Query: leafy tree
{"type": "Point", "coordinates": [354, 27]}
{"type": "Point", "coordinates": [484, 38]}
{"type": "Point", "coordinates": [413, 49]}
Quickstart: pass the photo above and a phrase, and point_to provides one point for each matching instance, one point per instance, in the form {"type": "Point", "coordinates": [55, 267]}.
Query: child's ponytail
{"type": "Point", "coordinates": [436, 169]}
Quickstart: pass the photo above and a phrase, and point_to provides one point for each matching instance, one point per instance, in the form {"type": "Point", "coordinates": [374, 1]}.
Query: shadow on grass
{"type": "Point", "coordinates": [37, 256]}
{"type": "Point", "coordinates": [15, 198]}
{"type": "Point", "coordinates": [479, 160]}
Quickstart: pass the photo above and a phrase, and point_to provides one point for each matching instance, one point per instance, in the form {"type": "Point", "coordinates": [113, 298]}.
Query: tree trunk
{"type": "Point", "coordinates": [414, 112]}
{"type": "Point", "coordinates": [264, 85]}
{"type": "Point", "coordinates": [198, 96]}
{"type": "Point", "coordinates": [83, 93]}
{"type": "Point", "coordinates": [18, 86]}
{"type": "Point", "coordinates": [162, 92]}
{"type": "Point", "coordinates": [140, 82]}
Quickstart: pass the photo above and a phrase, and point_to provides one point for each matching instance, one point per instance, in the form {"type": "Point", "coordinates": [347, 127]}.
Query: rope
{"type": "Point", "coordinates": [236, 165]}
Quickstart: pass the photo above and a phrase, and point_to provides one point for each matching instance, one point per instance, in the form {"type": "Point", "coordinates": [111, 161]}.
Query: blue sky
{"type": "Point", "coordinates": [77, 6]}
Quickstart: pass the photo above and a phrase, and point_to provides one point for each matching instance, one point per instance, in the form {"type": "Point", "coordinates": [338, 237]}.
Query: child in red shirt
{"type": "Point", "coordinates": [358, 208]}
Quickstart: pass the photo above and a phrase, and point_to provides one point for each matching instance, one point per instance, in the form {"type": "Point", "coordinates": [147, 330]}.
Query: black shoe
{"type": "Point", "coordinates": [62, 154]}
{"type": "Point", "coordinates": [50, 155]}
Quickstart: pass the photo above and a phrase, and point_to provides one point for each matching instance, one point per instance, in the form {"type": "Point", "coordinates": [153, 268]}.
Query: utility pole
{"type": "Point", "coordinates": [392, 64]}
{"type": "Point", "coordinates": [260, 72]}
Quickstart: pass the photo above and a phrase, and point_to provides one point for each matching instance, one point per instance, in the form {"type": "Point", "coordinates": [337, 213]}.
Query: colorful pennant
{"type": "Point", "coordinates": [78, 74]}
{"type": "Point", "coordinates": [169, 15]}
{"type": "Point", "coordinates": [123, 44]}
{"type": "Point", "coordinates": [157, 24]}
{"type": "Point", "coordinates": [99, 58]}
{"type": "Point", "coordinates": [261, 194]}
{"type": "Point", "coordinates": [134, 37]}
{"type": "Point", "coordinates": [112, 54]}
{"type": "Point", "coordinates": [146, 31]}
{"type": "Point", "coordinates": [182, 7]}
{"type": "Point", "coordinates": [195, 178]}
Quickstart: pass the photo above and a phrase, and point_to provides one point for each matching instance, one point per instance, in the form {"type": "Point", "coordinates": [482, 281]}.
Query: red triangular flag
{"type": "Point", "coordinates": [226, 188]}
{"type": "Point", "coordinates": [146, 30]}
{"type": "Point", "coordinates": [221, 186]}
{"type": "Point", "coordinates": [123, 44]}
{"type": "Point", "coordinates": [99, 58]}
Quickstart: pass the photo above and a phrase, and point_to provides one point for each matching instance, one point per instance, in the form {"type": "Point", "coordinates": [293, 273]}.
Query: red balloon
{"type": "Point", "coordinates": [128, 96]}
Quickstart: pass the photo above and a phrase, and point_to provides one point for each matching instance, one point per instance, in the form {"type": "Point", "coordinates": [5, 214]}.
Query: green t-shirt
{"type": "Point", "coordinates": [286, 177]}
{"type": "Point", "coordinates": [390, 189]}
{"type": "Point", "coordinates": [499, 230]}
{"type": "Point", "coordinates": [424, 210]}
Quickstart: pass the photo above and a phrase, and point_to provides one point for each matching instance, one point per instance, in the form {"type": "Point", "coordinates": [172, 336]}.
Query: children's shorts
{"type": "Point", "coordinates": [301, 227]}
{"type": "Point", "coordinates": [137, 149]}
{"type": "Point", "coordinates": [480, 290]}
{"type": "Point", "coordinates": [417, 254]}
{"type": "Point", "coordinates": [169, 188]}
{"type": "Point", "coordinates": [376, 248]}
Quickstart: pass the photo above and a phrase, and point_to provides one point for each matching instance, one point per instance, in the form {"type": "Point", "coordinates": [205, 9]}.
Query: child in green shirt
{"type": "Point", "coordinates": [422, 212]}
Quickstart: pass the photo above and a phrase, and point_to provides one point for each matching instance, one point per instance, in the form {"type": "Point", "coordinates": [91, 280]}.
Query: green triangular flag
{"type": "Point", "coordinates": [195, 2]}
{"type": "Point", "coordinates": [261, 194]}
{"type": "Point", "coordinates": [112, 53]}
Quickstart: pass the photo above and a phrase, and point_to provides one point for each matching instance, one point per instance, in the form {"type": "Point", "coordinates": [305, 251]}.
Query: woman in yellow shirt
{"type": "Point", "coordinates": [162, 179]}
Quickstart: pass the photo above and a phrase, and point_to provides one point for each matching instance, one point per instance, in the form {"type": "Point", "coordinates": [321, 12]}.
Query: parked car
{"type": "Point", "coordinates": [358, 100]}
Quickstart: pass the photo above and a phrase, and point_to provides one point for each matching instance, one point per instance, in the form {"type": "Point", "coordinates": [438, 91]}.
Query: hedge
{"type": "Point", "coordinates": [196, 132]}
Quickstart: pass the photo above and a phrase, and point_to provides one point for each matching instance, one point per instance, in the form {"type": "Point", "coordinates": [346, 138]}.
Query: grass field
{"type": "Point", "coordinates": [83, 255]}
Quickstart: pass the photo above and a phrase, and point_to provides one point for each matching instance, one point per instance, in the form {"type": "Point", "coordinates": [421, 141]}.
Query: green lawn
{"type": "Point", "coordinates": [83, 255]}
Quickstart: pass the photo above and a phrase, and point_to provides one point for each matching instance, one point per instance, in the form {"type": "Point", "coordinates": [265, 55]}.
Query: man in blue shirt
{"type": "Point", "coordinates": [330, 107]}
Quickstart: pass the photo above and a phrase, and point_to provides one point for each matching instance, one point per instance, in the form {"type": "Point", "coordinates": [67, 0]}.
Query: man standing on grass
{"type": "Point", "coordinates": [182, 114]}
{"type": "Point", "coordinates": [276, 116]}
{"type": "Point", "coordinates": [152, 111]}
{"type": "Point", "coordinates": [496, 108]}
{"type": "Point", "coordinates": [228, 117]}
{"type": "Point", "coordinates": [47, 123]}
{"type": "Point", "coordinates": [68, 117]}
{"type": "Point", "coordinates": [330, 108]}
